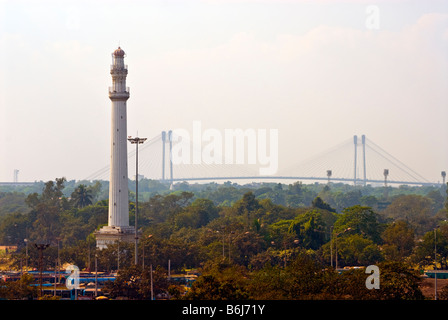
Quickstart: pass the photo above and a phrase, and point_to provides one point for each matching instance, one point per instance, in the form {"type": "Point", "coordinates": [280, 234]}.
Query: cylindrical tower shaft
{"type": "Point", "coordinates": [386, 191]}
{"type": "Point", "coordinates": [163, 154]}
{"type": "Point", "coordinates": [364, 158]}
{"type": "Point", "coordinates": [170, 138]}
{"type": "Point", "coordinates": [355, 141]}
{"type": "Point", "coordinates": [118, 187]}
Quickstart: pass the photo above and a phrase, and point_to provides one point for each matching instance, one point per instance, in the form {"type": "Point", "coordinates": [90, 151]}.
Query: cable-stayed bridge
{"type": "Point", "coordinates": [356, 160]}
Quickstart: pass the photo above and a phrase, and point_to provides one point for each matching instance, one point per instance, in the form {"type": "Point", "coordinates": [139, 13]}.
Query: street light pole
{"type": "Point", "coordinates": [58, 264]}
{"type": "Point", "coordinates": [41, 248]}
{"type": "Point", "coordinates": [435, 264]}
{"type": "Point", "coordinates": [136, 141]}
{"type": "Point", "coordinates": [96, 275]}
{"type": "Point", "coordinates": [26, 254]}
{"type": "Point", "coordinates": [331, 246]}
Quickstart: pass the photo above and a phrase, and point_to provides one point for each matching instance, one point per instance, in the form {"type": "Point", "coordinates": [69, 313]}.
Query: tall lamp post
{"type": "Point", "coordinates": [136, 141]}
{"type": "Point", "coordinates": [26, 254]}
{"type": "Point", "coordinates": [41, 247]}
{"type": "Point", "coordinates": [331, 246]}
{"type": "Point", "coordinates": [435, 264]}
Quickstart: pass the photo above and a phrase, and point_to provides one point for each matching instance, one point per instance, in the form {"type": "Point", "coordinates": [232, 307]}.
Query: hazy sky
{"type": "Point", "coordinates": [311, 69]}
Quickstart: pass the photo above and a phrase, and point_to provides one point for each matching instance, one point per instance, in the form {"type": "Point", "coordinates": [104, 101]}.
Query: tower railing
{"type": "Point", "coordinates": [114, 67]}
{"type": "Point", "coordinates": [111, 90]}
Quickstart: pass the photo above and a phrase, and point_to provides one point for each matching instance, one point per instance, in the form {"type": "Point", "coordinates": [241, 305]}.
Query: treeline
{"type": "Point", "coordinates": [243, 225]}
{"type": "Point", "coordinates": [302, 278]}
{"type": "Point", "coordinates": [266, 241]}
{"type": "Point", "coordinates": [337, 195]}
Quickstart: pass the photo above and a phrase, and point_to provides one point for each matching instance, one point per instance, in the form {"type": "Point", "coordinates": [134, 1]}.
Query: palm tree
{"type": "Point", "coordinates": [82, 196]}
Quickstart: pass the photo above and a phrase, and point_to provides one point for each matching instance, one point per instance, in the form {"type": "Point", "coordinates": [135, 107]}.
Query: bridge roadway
{"type": "Point", "coordinates": [17, 183]}
{"type": "Point", "coordinates": [358, 181]}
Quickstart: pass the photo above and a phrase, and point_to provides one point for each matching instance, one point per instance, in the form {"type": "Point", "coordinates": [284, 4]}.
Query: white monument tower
{"type": "Point", "coordinates": [118, 228]}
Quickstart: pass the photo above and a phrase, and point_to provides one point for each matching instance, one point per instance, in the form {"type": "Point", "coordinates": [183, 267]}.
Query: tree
{"type": "Point", "coordinates": [52, 194]}
{"type": "Point", "coordinates": [346, 199]}
{"type": "Point", "coordinates": [21, 289]}
{"type": "Point", "coordinates": [295, 195]}
{"type": "Point", "coordinates": [319, 203]}
{"type": "Point", "coordinates": [197, 214]}
{"type": "Point", "coordinates": [46, 226]}
{"type": "Point", "coordinates": [13, 228]}
{"type": "Point", "coordinates": [220, 282]}
{"type": "Point", "coordinates": [356, 250]}
{"type": "Point", "coordinates": [445, 203]}
{"type": "Point", "coordinates": [46, 210]}
{"type": "Point", "coordinates": [424, 253]}
{"type": "Point", "coordinates": [348, 285]}
{"type": "Point", "coordinates": [280, 235]}
{"type": "Point", "coordinates": [398, 282]}
{"type": "Point", "coordinates": [118, 255]}
{"type": "Point", "coordinates": [309, 229]}
{"type": "Point", "coordinates": [162, 208]}
{"type": "Point", "coordinates": [93, 216]}
{"type": "Point", "coordinates": [437, 200]}
{"type": "Point", "coordinates": [268, 283]}
{"type": "Point", "coordinates": [181, 253]}
{"type": "Point", "coordinates": [12, 202]}
{"type": "Point", "coordinates": [95, 191]}
{"type": "Point", "coordinates": [369, 201]}
{"type": "Point", "coordinates": [81, 197]}
{"type": "Point", "coordinates": [362, 220]}
{"type": "Point", "coordinates": [247, 207]}
{"type": "Point", "coordinates": [415, 209]}
{"type": "Point", "coordinates": [398, 240]}
{"type": "Point", "coordinates": [134, 282]}
{"type": "Point", "coordinates": [303, 278]}
{"type": "Point", "coordinates": [244, 245]}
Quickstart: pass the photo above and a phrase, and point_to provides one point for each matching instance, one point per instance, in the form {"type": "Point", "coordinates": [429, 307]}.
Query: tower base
{"type": "Point", "coordinates": [109, 235]}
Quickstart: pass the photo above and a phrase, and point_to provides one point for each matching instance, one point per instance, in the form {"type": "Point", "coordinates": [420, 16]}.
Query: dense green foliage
{"type": "Point", "coordinates": [286, 234]}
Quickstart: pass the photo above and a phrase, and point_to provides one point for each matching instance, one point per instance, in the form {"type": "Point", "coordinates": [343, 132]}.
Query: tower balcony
{"type": "Point", "coordinates": [118, 67]}
{"type": "Point", "coordinates": [118, 95]}
{"type": "Point", "coordinates": [119, 71]}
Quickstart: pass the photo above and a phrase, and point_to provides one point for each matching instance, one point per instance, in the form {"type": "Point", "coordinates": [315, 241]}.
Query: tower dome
{"type": "Point", "coordinates": [119, 52]}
